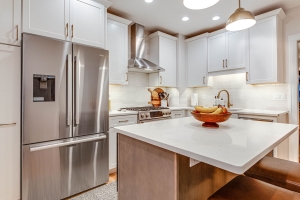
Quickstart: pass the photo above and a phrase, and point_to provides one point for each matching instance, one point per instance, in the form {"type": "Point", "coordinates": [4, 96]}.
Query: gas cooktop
{"type": "Point", "coordinates": [146, 108]}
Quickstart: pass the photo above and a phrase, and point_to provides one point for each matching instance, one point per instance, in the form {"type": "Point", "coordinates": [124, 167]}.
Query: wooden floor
{"type": "Point", "coordinates": [112, 178]}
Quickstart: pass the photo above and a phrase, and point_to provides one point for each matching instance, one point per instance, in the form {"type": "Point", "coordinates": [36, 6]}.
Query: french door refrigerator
{"type": "Point", "coordinates": [64, 118]}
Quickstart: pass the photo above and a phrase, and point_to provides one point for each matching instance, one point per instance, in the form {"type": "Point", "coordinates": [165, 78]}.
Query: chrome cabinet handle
{"type": "Point", "coordinates": [123, 121]}
{"type": "Point", "coordinates": [72, 27]}
{"type": "Point", "coordinates": [67, 29]}
{"type": "Point", "coordinates": [9, 124]}
{"type": "Point", "coordinates": [17, 32]}
{"type": "Point", "coordinates": [160, 79]}
{"type": "Point", "coordinates": [76, 92]}
{"type": "Point", "coordinates": [177, 114]}
{"type": "Point", "coordinates": [226, 62]}
{"type": "Point", "coordinates": [203, 79]}
{"type": "Point", "coordinates": [126, 76]}
{"type": "Point", "coordinates": [69, 88]}
{"type": "Point", "coordinates": [50, 146]}
{"type": "Point", "coordinates": [223, 63]}
{"type": "Point", "coordinates": [247, 76]}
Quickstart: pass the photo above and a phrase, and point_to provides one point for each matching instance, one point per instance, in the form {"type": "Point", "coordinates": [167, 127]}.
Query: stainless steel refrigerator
{"type": "Point", "coordinates": [64, 118]}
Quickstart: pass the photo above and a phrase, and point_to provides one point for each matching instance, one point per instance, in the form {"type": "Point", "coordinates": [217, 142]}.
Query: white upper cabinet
{"type": "Point", "coordinates": [216, 52]}
{"type": "Point", "coordinates": [163, 53]}
{"type": "Point", "coordinates": [10, 92]}
{"type": "Point", "coordinates": [237, 50]}
{"type": "Point", "coordinates": [46, 18]}
{"type": "Point", "coordinates": [117, 44]}
{"type": "Point", "coordinates": [196, 57]}
{"type": "Point", "coordinates": [266, 62]}
{"type": "Point", "coordinates": [79, 21]}
{"type": "Point", "coordinates": [10, 22]}
{"type": "Point", "coordinates": [228, 51]}
{"type": "Point", "coordinates": [88, 22]}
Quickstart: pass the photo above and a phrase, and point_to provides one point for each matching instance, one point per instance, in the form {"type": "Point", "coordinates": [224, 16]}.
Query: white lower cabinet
{"type": "Point", "coordinates": [177, 114]}
{"type": "Point", "coordinates": [10, 82]}
{"type": "Point", "coordinates": [115, 122]}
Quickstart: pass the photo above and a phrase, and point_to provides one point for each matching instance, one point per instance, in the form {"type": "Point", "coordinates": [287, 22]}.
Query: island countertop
{"type": "Point", "coordinates": [235, 146]}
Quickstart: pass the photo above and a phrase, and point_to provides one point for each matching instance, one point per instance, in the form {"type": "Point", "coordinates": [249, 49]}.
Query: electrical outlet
{"type": "Point", "coordinates": [279, 96]}
{"type": "Point", "coordinates": [202, 96]}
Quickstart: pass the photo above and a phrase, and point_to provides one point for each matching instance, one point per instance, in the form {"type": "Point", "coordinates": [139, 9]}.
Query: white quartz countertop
{"type": "Point", "coordinates": [235, 146]}
{"type": "Point", "coordinates": [114, 113]}
{"type": "Point", "coordinates": [273, 113]}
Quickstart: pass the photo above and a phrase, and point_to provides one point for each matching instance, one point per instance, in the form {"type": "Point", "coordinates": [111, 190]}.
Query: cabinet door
{"type": "Point", "coordinates": [10, 22]}
{"type": "Point", "coordinates": [10, 76]}
{"type": "Point", "coordinates": [217, 52]}
{"type": "Point", "coordinates": [46, 18]}
{"type": "Point", "coordinates": [263, 52]}
{"type": "Point", "coordinates": [237, 49]}
{"type": "Point", "coordinates": [87, 20]}
{"type": "Point", "coordinates": [197, 63]}
{"type": "Point", "coordinates": [112, 149]}
{"type": "Point", "coordinates": [167, 60]}
{"type": "Point", "coordinates": [117, 44]}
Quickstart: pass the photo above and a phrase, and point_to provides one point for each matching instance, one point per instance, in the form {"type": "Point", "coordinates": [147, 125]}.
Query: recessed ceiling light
{"type": "Point", "coordinates": [148, 1]}
{"type": "Point", "coordinates": [185, 19]}
{"type": "Point", "coordinates": [216, 18]}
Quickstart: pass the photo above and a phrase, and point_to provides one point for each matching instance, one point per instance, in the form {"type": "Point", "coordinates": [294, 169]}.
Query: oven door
{"type": "Point", "coordinates": [154, 120]}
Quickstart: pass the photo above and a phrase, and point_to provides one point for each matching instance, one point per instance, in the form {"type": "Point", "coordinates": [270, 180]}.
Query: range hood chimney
{"type": "Point", "coordinates": [137, 63]}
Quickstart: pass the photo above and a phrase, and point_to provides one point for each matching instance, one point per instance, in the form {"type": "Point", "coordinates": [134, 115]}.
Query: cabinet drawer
{"type": "Point", "coordinates": [178, 114]}
{"type": "Point", "coordinates": [122, 120]}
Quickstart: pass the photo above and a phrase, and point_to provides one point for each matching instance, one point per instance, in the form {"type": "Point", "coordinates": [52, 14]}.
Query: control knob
{"type": "Point", "coordinates": [142, 115]}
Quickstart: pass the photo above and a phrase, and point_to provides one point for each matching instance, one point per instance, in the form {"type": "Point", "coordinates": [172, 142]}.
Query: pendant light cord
{"type": "Point", "coordinates": [239, 3]}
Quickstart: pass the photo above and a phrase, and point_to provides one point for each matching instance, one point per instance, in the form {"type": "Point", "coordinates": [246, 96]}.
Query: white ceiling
{"type": "Point", "coordinates": [165, 15]}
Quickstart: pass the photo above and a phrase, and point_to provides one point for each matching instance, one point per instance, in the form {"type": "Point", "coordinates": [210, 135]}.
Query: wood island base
{"type": "Point", "coordinates": [147, 172]}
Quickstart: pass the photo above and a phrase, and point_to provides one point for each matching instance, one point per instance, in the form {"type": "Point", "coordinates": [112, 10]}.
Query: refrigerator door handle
{"type": "Point", "coordinates": [69, 89]}
{"type": "Point", "coordinates": [49, 146]}
{"type": "Point", "coordinates": [76, 92]}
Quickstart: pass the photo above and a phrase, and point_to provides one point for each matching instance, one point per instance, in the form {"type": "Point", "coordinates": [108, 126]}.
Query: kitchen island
{"type": "Point", "coordinates": [179, 159]}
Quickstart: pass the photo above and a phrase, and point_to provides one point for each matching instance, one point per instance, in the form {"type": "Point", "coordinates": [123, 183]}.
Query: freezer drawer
{"type": "Point", "coordinates": [56, 170]}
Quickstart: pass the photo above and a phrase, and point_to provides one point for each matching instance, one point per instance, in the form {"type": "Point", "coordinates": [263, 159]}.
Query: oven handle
{"type": "Point", "coordinates": [50, 146]}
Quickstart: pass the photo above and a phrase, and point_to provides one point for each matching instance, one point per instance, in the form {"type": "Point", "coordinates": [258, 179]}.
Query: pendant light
{"type": "Point", "coordinates": [241, 19]}
{"type": "Point", "coordinates": [199, 4]}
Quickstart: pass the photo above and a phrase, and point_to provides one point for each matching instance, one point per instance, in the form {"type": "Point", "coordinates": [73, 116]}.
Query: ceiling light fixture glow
{"type": "Point", "coordinates": [199, 4]}
{"type": "Point", "coordinates": [216, 18]}
{"type": "Point", "coordinates": [148, 1]}
{"type": "Point", "coordinates": [241, 19]}
{"type": "Point", "coordinates": [185, 19]}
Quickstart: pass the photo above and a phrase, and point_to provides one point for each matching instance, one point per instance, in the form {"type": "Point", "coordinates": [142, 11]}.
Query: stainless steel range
{"type": "Point", "coordinates": [150, 114]}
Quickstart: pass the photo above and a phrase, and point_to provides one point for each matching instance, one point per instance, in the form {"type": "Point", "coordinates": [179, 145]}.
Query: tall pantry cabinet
{"type": "Point", "coordinates": [10, 95]}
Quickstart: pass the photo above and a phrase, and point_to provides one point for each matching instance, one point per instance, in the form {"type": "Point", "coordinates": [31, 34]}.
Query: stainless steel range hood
{"type": "Point", "coordinates": [137, 63]}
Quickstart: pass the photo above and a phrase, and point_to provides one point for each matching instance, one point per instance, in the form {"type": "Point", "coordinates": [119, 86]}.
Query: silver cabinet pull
{"type": "Point", "coordinates": [126, 76]}
{"type": "Point", "coordinates": [9, 124]}
{"type": "Point", "coordinates": [17, 32]}
{"type": "Point", "coordinates": [203, 79]}
{"type": "Point", "coordinates": [226, 62]}
{"type": "Point", "coordinates": [76, 91]}
{"type": "Point", "coordinates": [160, 79]}
{"type": "Point", "coordinates": [67, 29]}
{"type": "Point", "coordinates": [177, 114]}
{"type": "Point", "coordinates": [123, 121]}
{"type": "Point", "coordinates": [247, 76]}
{"type": "Point", "coordinates": [72, 27]}
{"type": "Point", "coordinates": [69, 89]}
{"type": "Point", "coordinates": [50, 146]}
{"type": "Point", "coordinates": [223, 63]}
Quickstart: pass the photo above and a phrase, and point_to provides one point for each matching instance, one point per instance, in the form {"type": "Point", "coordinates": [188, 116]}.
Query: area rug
{"type": "Point", "coordinates": [105, 192]}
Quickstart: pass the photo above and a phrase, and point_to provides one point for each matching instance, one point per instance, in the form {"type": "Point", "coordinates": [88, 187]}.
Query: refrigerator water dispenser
{"type": "Point", "coordinates": [43, 88]}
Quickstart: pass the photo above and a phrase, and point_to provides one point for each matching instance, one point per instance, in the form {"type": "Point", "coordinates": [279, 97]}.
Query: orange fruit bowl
{"type": "Point", "coordinates": [210, 120]}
